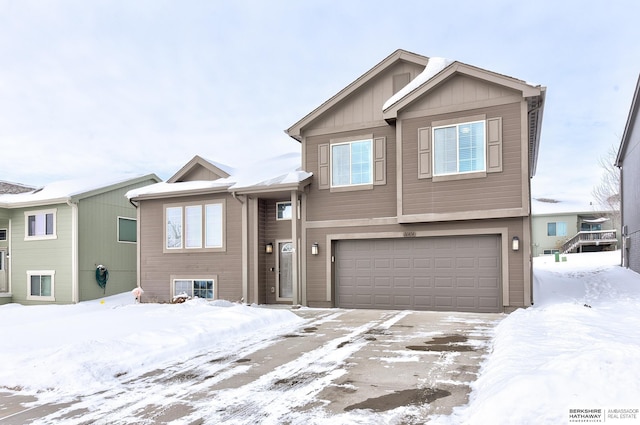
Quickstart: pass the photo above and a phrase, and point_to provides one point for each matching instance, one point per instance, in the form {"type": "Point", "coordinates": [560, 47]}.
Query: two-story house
{"type": "Point", "coordinates": [53, 240]}
{"type": "Point", "coordinates": [413, 192]}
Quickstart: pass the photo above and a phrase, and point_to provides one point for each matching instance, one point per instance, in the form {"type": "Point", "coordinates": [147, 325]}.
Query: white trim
{"type": "Point", "coordinates": [51, 273]}
{"type": "Point", "coordinates": [75, 289]}
{"type": "Point", "coordinates": [203, 231]}
{"type": "Point", "coordinates": [192, 278]}
{"type": "Point", "coordinates": [29, 213]}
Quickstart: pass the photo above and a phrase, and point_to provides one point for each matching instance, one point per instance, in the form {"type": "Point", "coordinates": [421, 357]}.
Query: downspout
{"type": "Point", "coordinates": [138, 239]}
{"type": "Point", "coordinates": [74, 251]}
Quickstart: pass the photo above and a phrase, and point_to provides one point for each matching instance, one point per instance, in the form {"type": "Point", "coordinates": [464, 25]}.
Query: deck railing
{"type": "Point", "coordinates": [594, 237]}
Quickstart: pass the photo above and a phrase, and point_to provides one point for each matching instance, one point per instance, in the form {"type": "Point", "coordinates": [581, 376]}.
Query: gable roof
{"type": "Point", "coordinates": [216, 168]}
{"type": "Point", "coordinates": [399, 55]}
{"type": "Point", "coordinates": [70, 190]}
{"type": "Point", "coordinates": [631, 119]}
{"type": "Point", "coordinates": [282, 172]}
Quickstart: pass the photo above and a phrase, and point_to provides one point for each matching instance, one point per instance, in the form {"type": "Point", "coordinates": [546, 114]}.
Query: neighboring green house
{"type": "Point", "coordinates": [53, 240]}
{"type": "Point", "coordinates": [570, 227]}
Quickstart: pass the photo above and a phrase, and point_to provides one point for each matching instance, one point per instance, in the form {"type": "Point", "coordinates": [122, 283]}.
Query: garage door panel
{"type": "Point", "coordinates": [439, 273]}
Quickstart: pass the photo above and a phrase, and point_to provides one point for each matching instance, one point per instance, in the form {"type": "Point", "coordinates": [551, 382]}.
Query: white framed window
{"type": "Point", "coordinates": [3, 234]}
{"type": "Point", "coordinates": [40, 225]}
{"type": "Point", "coordinates": [201, 288]}
{"type": "Point", "coordinates": [283, 210]}
{"type": "Point", "coordinates": [127, 230]}
{"type": "Point", "coordinates": [558, 228]}
{"type": "Point", "coordinates": [41, 285]}
{"type": "Point", "coordinates": [352, 163]}
{"type": "Point", "coordinates": [202, 226]}
{"type": "Point", "coordinates": [459, 148]}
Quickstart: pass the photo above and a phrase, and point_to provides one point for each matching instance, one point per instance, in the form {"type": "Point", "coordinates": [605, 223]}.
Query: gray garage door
{"type": "Point", "coordinates": [460, 273]}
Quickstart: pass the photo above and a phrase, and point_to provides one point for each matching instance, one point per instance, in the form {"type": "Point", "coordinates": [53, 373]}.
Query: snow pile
{"type": "Point", "coordinates": [578, 347]}
{"type": "Point", "coordinates": [77, 349]}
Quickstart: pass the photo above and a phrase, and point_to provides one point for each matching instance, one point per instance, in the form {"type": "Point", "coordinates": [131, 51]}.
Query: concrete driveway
{"type": "Point", "coordinates": [355, 364]}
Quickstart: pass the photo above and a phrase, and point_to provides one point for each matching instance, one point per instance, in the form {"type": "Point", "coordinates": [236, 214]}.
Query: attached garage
{"type": "Point", "coordinates": [453, 273]}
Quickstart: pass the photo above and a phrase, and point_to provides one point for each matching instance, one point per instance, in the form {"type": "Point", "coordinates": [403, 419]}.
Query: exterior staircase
{"type": "Point", "coordinates": [595, 237]}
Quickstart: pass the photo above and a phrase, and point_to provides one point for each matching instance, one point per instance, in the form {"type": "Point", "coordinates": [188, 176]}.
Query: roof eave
{"type": "Point", "coordinates": [261, 189]}
{"type": "Point", "coordinates": [633, 114]}
{"type": "Point", "coordinates": [181, 193]}
{"type": "Point", "coordinates": [295, 131]}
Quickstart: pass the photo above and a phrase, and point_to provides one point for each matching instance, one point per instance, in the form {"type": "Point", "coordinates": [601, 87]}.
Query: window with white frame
{"type": "Point", "coordinates": [352, 163]}
{"type": "Point", "coordinates": [40, 224]}
{"type": "Point", "coordinates": [201, 288]}
{"type": "Point", "coordinates": [127, 230]}
{"type": "Point", "coordinates": [558, 228]}
{"type": "Point", "coordinates": [3, 234]}
{"type": "Point", "coordinates": [459, 148]}
{"type": "Point", "coordinates": [41, 285]}
{"type": "Point", "coordinates": [202, 226]}
{"type": "Point", "coordinates": [283, 211]}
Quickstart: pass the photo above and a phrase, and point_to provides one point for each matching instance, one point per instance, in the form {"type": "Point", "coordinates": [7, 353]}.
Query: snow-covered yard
{"type": "Point", "coordinates": [577, 348]}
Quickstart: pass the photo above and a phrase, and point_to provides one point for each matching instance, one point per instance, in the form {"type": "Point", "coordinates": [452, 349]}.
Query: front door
{"type": "Point", "coordinates": [285, 281]}
{"type": "Point", "coordinates": [4, 287]}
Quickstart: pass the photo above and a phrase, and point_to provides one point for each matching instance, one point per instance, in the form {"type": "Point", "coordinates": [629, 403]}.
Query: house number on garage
{"type": "Point", "coordinates": [409, 234]}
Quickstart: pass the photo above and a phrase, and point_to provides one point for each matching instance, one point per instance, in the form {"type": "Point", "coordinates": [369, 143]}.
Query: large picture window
{"type": "Point", "coordinates": [202, 226]}
{"type": "Point", "coordinates": [459, 148]}
{"type": "Point", "coordinates": [351, 163]}
{"type": "Point", "coordinates": [40, 224]}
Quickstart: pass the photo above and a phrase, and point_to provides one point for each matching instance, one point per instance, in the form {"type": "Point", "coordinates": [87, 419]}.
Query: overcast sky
{"type": "Point", "coordinates": [144, 85]}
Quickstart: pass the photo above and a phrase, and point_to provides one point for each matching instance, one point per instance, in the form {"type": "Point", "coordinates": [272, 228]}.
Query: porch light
{"type": "Point", "coordinates": [314, 248]}
{"type": "Point", "coordinates": [268, 248]}
{"type": "Point", "coordinates": [515, 244]}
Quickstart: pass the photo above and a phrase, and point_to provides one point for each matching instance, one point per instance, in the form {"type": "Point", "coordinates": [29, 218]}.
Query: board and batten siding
{"type": "Point", "coordinates": [365, 104]}
{"type": "Point", "coordinates": [98, 243]}
{"type": "Point", "coordinates": [317, 266]}
{"type": "Point", "coordinates": [157, 267]}
{"type": "Point", "coordinates": [378, 201]}
{"type": "Point", "coordinates": [49, 254]}
{"type": "Point", "coordinates": [496, 190]}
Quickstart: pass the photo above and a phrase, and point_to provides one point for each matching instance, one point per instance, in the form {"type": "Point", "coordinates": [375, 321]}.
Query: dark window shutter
{"type": "Point", "coordinates": [323, 166]}
{"type": "Point", "coordinates": [494, 145]}
{"type": "Point", "coordinates": [379, 161]}
{"type": "Point", "coordinates": [424, 153]}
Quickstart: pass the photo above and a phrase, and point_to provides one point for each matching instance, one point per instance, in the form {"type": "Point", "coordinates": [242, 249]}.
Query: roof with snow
{"type": "Point", "coordinates": [282, 172]}
{"type": "Point", "coordinates": [549, 206]}
{"type": "Point", "coordinates": [69, 190]}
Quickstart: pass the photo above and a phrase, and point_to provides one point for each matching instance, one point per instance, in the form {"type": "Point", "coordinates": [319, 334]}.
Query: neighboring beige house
{"type": "Point", "coordinates": [413, 193]}
{"type": "Point", "coordinates": [569, 227]}
{"type": "Point", "coordinates": [628, 161]}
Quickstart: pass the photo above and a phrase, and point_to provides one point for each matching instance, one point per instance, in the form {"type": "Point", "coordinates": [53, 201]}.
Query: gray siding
{"type": "Point", "coordinates": [631, 193]}
{"type": "Point", "coordinates": [495, 191]}
{"type": "Point", "coordinates": [157, 267]}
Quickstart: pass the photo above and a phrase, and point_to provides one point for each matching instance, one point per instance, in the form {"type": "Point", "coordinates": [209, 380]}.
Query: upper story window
{"type": "Point", "coordinates": [557, 229]}
{"type": "Point", "coordinates": [459, 148]}
{"type": "Point", "coordinates": [194, 227]}
{"type": "Point", "coordinates": [3, 234]}
{"type": "Point", "coordinates": [283, 211]}
{"type": "Point", "coordinates": [352, 163]}
{"type": "Point", "coordinates": [40, 224]}
{"type": "Point", "coordinates": [127, 230]}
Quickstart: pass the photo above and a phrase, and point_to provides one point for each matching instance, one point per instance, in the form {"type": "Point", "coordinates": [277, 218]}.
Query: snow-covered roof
{"type": "Point", "coordinates": [65, 190]}
{"type": "Point", "coordinates": [548, 206]}
{"type": "Point", "coordinates": [272, 173]}
{"type": "Point", "coordinates": [434, 66]}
